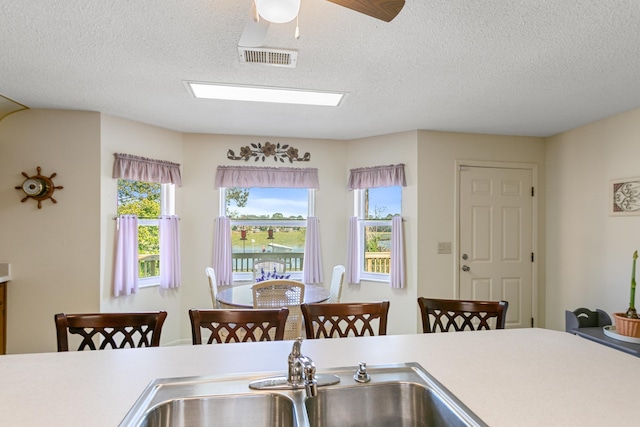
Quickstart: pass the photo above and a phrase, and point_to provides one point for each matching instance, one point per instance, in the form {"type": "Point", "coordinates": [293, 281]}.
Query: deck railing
{"type": "Point", "coordinates": [148, 265]}
{"type": "Point", "coordinates": [377, 262]}
{"type": "Point", "coordinates": [243, 262]}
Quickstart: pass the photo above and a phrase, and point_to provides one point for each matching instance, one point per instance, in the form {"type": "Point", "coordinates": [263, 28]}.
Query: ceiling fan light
{"type": "Point", "coordinates": [278, 11]}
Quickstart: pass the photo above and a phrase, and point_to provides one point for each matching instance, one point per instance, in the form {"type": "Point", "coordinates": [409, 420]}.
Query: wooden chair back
{"type": "Point", "coordinates": [282, 293]}
{"type": "Point", "coordinates": [99, 331]}
{"type": "Point", "coordinates": [444, 315]}
{"type": "Point", "coordinates": [335, 320]}
{"type": "Point", "coordinates": [226, 326]}
{"type": "Point", "coordinates": [336, 283]}
{"type": "Point", "coordinates": [213, 286]}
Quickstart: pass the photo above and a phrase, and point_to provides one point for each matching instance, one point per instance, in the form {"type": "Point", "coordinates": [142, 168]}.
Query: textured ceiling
{"type": "Point", "coordinates": [518, 67]}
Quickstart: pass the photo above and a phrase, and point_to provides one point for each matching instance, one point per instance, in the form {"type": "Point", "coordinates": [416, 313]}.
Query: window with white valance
{"type": "Point", "coordinates": [375, 244]}
{"type": "Point", "coordinates": [268, 210]}
{"type": "Point", "coordinates": [148, 243]}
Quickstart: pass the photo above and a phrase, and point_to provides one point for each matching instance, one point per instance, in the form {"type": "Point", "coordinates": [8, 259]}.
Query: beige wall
{"type": "Point", "coordinates": [125, 136]}
{"type": "Point", "coordinates": [388, 150]}
{"type": "Point", "coordinates": [589, 253]}
{"type": "Point", "coordinates": [54, 251]}
{"type": "Point", "coordinates": [203, 154]}
{"type": "Point", "coordinates": [437, 155]}
{"type": "Point", "coordinates": [62, 254]}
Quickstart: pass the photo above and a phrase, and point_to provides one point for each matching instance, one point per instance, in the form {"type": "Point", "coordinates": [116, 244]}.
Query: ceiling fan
{"type": "Point", "coordinates": [265, 12]}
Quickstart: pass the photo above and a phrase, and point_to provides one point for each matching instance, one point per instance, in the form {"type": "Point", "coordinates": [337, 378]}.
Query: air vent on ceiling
{"type": "Point", "coordinates": [267, 56]}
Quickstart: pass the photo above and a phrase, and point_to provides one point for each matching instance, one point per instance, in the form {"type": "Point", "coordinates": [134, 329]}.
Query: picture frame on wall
{"type": "Point", "coordinates": [624, 196]}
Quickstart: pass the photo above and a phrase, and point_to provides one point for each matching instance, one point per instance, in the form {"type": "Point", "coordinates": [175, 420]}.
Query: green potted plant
{"type": "Point", "coordinates": [628, 323]}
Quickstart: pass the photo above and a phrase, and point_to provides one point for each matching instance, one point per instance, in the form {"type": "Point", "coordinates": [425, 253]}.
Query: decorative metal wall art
{"type": "Point", "coordinates": [261, 152]}
{"type": "Point", "coordinates": [624, 196]}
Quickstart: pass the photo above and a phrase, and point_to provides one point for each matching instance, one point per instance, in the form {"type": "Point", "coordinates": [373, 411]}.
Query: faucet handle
{"type": "Point", "coordinates": [310, 383]}
{"type": "Point", "coordinates": [361, 375]}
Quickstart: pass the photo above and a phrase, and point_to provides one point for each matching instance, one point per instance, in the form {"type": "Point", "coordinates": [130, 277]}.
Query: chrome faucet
{"type": "Point", "coordinates": [302, 368]}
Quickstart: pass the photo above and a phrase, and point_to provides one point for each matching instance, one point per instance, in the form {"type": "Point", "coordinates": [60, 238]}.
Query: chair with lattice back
{"type": "Point", "coordinates": [100, 331]}
{"type": "Point", "coordinates": [445, 315]}
{"type": "Point", "coordinates": [267, 269]}
{"type": "Point", "coordinates": [282, 293]}
{"type": "Point", "coordinates": [237, 325]}
{"type": "Point", "coordinates": [335, 320]}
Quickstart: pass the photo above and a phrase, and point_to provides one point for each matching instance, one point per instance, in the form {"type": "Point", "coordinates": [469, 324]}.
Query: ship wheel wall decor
{"type": "Point", "coordinates": [38, 187]}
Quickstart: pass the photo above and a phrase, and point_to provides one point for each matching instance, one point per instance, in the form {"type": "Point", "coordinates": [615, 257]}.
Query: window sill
{"type": "Point", "coordinates": [369, 277]}
{"type": "Point", "coordinates": [149, 282]}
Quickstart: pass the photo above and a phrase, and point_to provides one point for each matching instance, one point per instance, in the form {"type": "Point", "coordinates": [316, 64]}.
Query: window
{"type": "Point", "coordinates": [267, 224]}
{"type": "Point", "coordinates": [375, 208]}
{"type": "Point", "coordinates": [147, 200]}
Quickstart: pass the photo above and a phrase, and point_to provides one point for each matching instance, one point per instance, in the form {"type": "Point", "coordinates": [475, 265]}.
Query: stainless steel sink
{"type": "Point", "coordinates": [393, 404]}
{"type": "Point", "coordinates": [233, 410]}
{"type": "Point", "coordinates": [397, 395]}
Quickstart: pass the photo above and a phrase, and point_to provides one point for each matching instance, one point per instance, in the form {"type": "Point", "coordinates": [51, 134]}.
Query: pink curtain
{"type": "Point", "coordinates": [138, 168]}
{"type": "Point", "coordinates": [397, 253]}
{"type": "Point", "coordinates": [222, 263]}
{"type": "Point", "coordinates": [169, 251]}
{"type": "Point", "coordinates": [312, 270]}
{"type": "Point", "coordinates": [377, 176]}
{"type": "Point", "coordinates": [125, 276]}
{"type": "Point", "coordinates": [353, 256]}
{"type": "Point", "coordinates": [265, 177]}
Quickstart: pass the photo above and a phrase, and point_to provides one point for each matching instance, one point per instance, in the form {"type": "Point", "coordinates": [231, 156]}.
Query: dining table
{"type": "Point", "coordinates": [242, 296]}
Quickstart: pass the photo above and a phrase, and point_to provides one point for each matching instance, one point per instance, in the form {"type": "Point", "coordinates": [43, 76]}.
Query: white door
{"type": "Point", "coordinates": [496, 234]}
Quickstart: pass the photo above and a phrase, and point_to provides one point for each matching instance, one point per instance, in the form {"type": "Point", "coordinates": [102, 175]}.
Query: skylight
{"type": "Point", "coordinates": [264, 94]}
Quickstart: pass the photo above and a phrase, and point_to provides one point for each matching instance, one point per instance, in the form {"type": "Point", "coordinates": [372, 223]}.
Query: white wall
{"type": "Point", "coordinates": [54, 251]}
{"type": "Point", "coordinates": [125, 136]}
{"type": "Point", "coordinates": [589, 253]}
{"type": "Point", "coordinates": [437, 155]}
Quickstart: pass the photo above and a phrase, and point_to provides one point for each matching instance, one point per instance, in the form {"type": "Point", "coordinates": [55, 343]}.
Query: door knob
{"type": "Point", "coordinates": [466, 268]}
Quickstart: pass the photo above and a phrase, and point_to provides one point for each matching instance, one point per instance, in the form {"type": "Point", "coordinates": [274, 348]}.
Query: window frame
{"type": "Point", "coordinates": [363, 223]}
{"type": "Point", "coordinates": [167, 207]}
{"type": "Point", "coordinates": [302, 223]}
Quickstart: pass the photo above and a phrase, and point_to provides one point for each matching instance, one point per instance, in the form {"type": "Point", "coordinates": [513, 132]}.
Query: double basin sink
{"type": "Point", "coordinates": [397, 395]}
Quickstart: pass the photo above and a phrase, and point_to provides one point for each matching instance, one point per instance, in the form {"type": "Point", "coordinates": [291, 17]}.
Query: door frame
{"type": "Point", "coordinates": [534, 224]}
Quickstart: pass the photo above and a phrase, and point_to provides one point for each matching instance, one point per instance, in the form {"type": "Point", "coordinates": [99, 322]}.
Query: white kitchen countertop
{"type": "Point", "coordinates": [523, 377]}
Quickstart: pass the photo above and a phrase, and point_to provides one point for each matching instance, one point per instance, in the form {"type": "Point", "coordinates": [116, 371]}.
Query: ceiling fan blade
{"type": "Point", "coordinates": [255, 30]}
{"type": "Point", "coordinates": [384, 10]}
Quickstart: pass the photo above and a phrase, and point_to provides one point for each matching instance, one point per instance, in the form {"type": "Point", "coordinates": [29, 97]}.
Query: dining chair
{"type": "Point", "coordinates": [336, 283]}
{"type": "Point", "coordinates": [335, 320]}
{"type": "Point", "coordinates": [265, 268]}
{"type": "Point", "coordinates": [459, 315]}
{"type": "Point", "coordinates": [282, 293]}
{"type": "Point", "coordinates": [100, 331]}
{"type": "Point", "coordinates": [242, 325]}
{"type": "Point", "coordinates": [213, 286]}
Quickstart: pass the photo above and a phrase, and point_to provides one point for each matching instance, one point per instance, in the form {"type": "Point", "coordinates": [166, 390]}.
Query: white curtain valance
{"type": "Point", "coordinates": [137, 168]}
{"type": "Point", "coordinates": [265, 177]}
{"type": "Point", "coordinates": [377, 176]}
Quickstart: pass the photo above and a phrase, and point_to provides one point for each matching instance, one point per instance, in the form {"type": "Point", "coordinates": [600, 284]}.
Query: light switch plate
{"type": "Point", "coordinates": [444, 247]}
